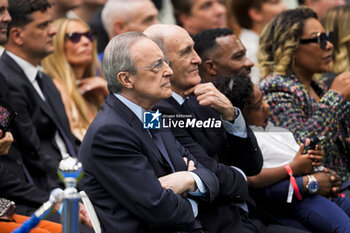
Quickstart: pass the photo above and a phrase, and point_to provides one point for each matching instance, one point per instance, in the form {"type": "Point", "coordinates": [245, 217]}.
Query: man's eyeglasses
{"type": "Point", "coordinates": [157, 66]}
{"type": "Point", "coordinates": [76, 36]}
{"type": "Point", "coordinates": [321, 39]}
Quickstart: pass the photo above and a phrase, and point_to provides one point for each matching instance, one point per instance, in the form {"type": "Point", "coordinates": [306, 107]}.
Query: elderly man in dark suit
{"type": "Point", "coordinates": [229, 148]}
{"type": "Point", "coordinates": [139, 179]}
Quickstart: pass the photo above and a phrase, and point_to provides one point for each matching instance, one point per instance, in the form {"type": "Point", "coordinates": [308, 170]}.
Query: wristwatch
{"type": "Point", "coordinates": [312, 185]}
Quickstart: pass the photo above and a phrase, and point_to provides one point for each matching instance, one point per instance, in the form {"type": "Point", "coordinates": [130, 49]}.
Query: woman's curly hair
{"type": "Point", "coordinates": [279, 40]}
{"type": "Point", "coordinates": [337, 20]}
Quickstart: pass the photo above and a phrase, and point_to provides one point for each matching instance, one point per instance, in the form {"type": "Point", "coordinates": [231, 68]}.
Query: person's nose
{"type": "Point", "coordinates": [52, 30]}
{"type": "Point", "coordinates": [266, 106]}
{"type": "Point", "coordinates": [220, 8]}
{"type": "Point", "coordinates": [6, 18]}
{"type": "Point", "coordinates": [196, 59]}
{"type": "Point", "coordinates": [248, 63]}
{"type": "Point", "coordinates": [85, 39]}
{"type": "Point", "coordinates": [329, 46]}
{"type": "Point", "coordinates": [167, 70]}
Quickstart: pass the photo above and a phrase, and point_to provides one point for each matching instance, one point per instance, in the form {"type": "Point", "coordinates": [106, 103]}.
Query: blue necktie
{"type": "Point", "coordinates": [66, 140]}
{"type": "Point", "coordinates": [160, 144]}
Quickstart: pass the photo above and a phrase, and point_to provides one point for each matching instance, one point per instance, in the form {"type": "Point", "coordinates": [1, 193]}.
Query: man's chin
{"type": "Point", "coordinates": [3, 38]}
{"type": "Point", "coordinates": [167, 94]}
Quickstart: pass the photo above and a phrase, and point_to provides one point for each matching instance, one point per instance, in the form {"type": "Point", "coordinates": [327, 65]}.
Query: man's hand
{"type": "Point", "coordinates": [208, 95]}
{"type": "Point", "coordinates": [5, 143]}
{"type": "Point", "coordinates": [83, 216]}
{"type": "Point", "coordinates": [335, 179]}
{"type": "Point", "coordinates": [190, 164]}
{"type": "Point", "coordinates": [329, 183]}
{"type": "Point", "coordinates": [179, 182]}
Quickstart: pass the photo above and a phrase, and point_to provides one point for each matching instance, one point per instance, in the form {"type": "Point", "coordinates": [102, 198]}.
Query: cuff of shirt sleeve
{"type": "Point", "coordinates": [194, 206]}
{"type": "Point", "coordinates": [240, 171]}
{"type": "Point", "coordinates": [238, 127]}
{"type": "Point", "coordinates": [201, 189]}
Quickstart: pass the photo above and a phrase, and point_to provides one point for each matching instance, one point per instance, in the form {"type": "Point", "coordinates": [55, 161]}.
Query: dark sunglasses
{"type": "Point", "coordinates": [321, 39]}
{"type": "Point", "coordinates": [76, 36]}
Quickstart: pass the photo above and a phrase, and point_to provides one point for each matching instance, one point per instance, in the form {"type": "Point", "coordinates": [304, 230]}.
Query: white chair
{"type": "Point", "coordinates": [91, 212]}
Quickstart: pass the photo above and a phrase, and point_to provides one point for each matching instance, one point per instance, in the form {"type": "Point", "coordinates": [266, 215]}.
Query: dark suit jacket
{"type": "Point", "coordinates": [217, 150]}
{"type": "Point", "coordinates": [221, 147]}
{"type": "Point", "coordinates": [34, 128]}
{"type": "Point", "coordinates": [122, 165]}
{"type": "Point", "coordinates": [27, 196]}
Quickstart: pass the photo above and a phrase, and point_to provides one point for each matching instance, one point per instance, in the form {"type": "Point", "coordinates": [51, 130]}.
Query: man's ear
{"type": "Point", "coordinates": [255, 15]}
{"type": "Point", "coordinates": [16, 35]}
{"type": "Point", "coordinates": [210, 67]}
{"type": "Point", "coordinates": [119, 26]}
{"type": "Point", "coordinates": [183, 18]}
{"type": "Point", "coordinates": [126, 80]}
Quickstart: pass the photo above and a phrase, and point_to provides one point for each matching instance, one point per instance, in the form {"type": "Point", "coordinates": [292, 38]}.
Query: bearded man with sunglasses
{"type": "Point", "coordinates": [41, 130]}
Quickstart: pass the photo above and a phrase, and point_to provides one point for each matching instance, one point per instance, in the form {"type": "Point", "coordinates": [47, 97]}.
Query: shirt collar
{"type": "Point", "coordinates": [136, 109]}
{"type": "Point", "coordinates": [29, 70]}
{"type": "Point", "coordinates": [178, 98]}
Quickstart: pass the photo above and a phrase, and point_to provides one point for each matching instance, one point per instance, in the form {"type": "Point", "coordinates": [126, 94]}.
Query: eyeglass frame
{"type": "Point", "coordinates": [159, 62]}
{"type": "Point", "coordinates": [318, 39]}
{"type": "Point", "coordinates": [90, 35]}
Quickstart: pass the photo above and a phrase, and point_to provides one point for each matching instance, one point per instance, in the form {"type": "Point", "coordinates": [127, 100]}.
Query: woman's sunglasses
{"type": "Point", "coordinates": [76, 36]}
{"type": "Point", "coordinates": [321, 39]}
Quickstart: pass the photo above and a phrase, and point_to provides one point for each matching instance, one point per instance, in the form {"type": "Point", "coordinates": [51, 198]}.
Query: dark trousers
{"type": "Point", "coordinates": [254, 225]}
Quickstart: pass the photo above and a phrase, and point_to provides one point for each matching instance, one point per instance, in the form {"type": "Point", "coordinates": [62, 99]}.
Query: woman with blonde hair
{"type": "Point", "coordinates": [294, 47]}
{"type": "Point", "coordinates": [337, 20]}
{"type": "Point", "coordinates": [73, 66]}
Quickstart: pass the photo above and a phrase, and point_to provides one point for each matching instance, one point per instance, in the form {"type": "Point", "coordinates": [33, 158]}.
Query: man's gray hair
{"type": "Point", "coordinates": [117, 58]}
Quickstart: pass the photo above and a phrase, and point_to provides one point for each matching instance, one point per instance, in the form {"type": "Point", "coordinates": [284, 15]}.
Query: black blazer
{"type": "Point", "coordinates": [35, 126]}
{"type": "Point", "coordinates": [27, 196]}
{"type": "Point", "coordinates": [122, 165]}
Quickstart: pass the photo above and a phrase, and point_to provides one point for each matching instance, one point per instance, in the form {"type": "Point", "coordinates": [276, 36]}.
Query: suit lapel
{"type": "Point", "coordinates": [53, 106]}
{"type": "Point", "coordinates": [122, 110]}
{"type": "Point", "coordinates": [173, 151]}
{"type": "Point", "coordinates": [207, 137]}
{"type": "Point", "coordinates": [23, 78]}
